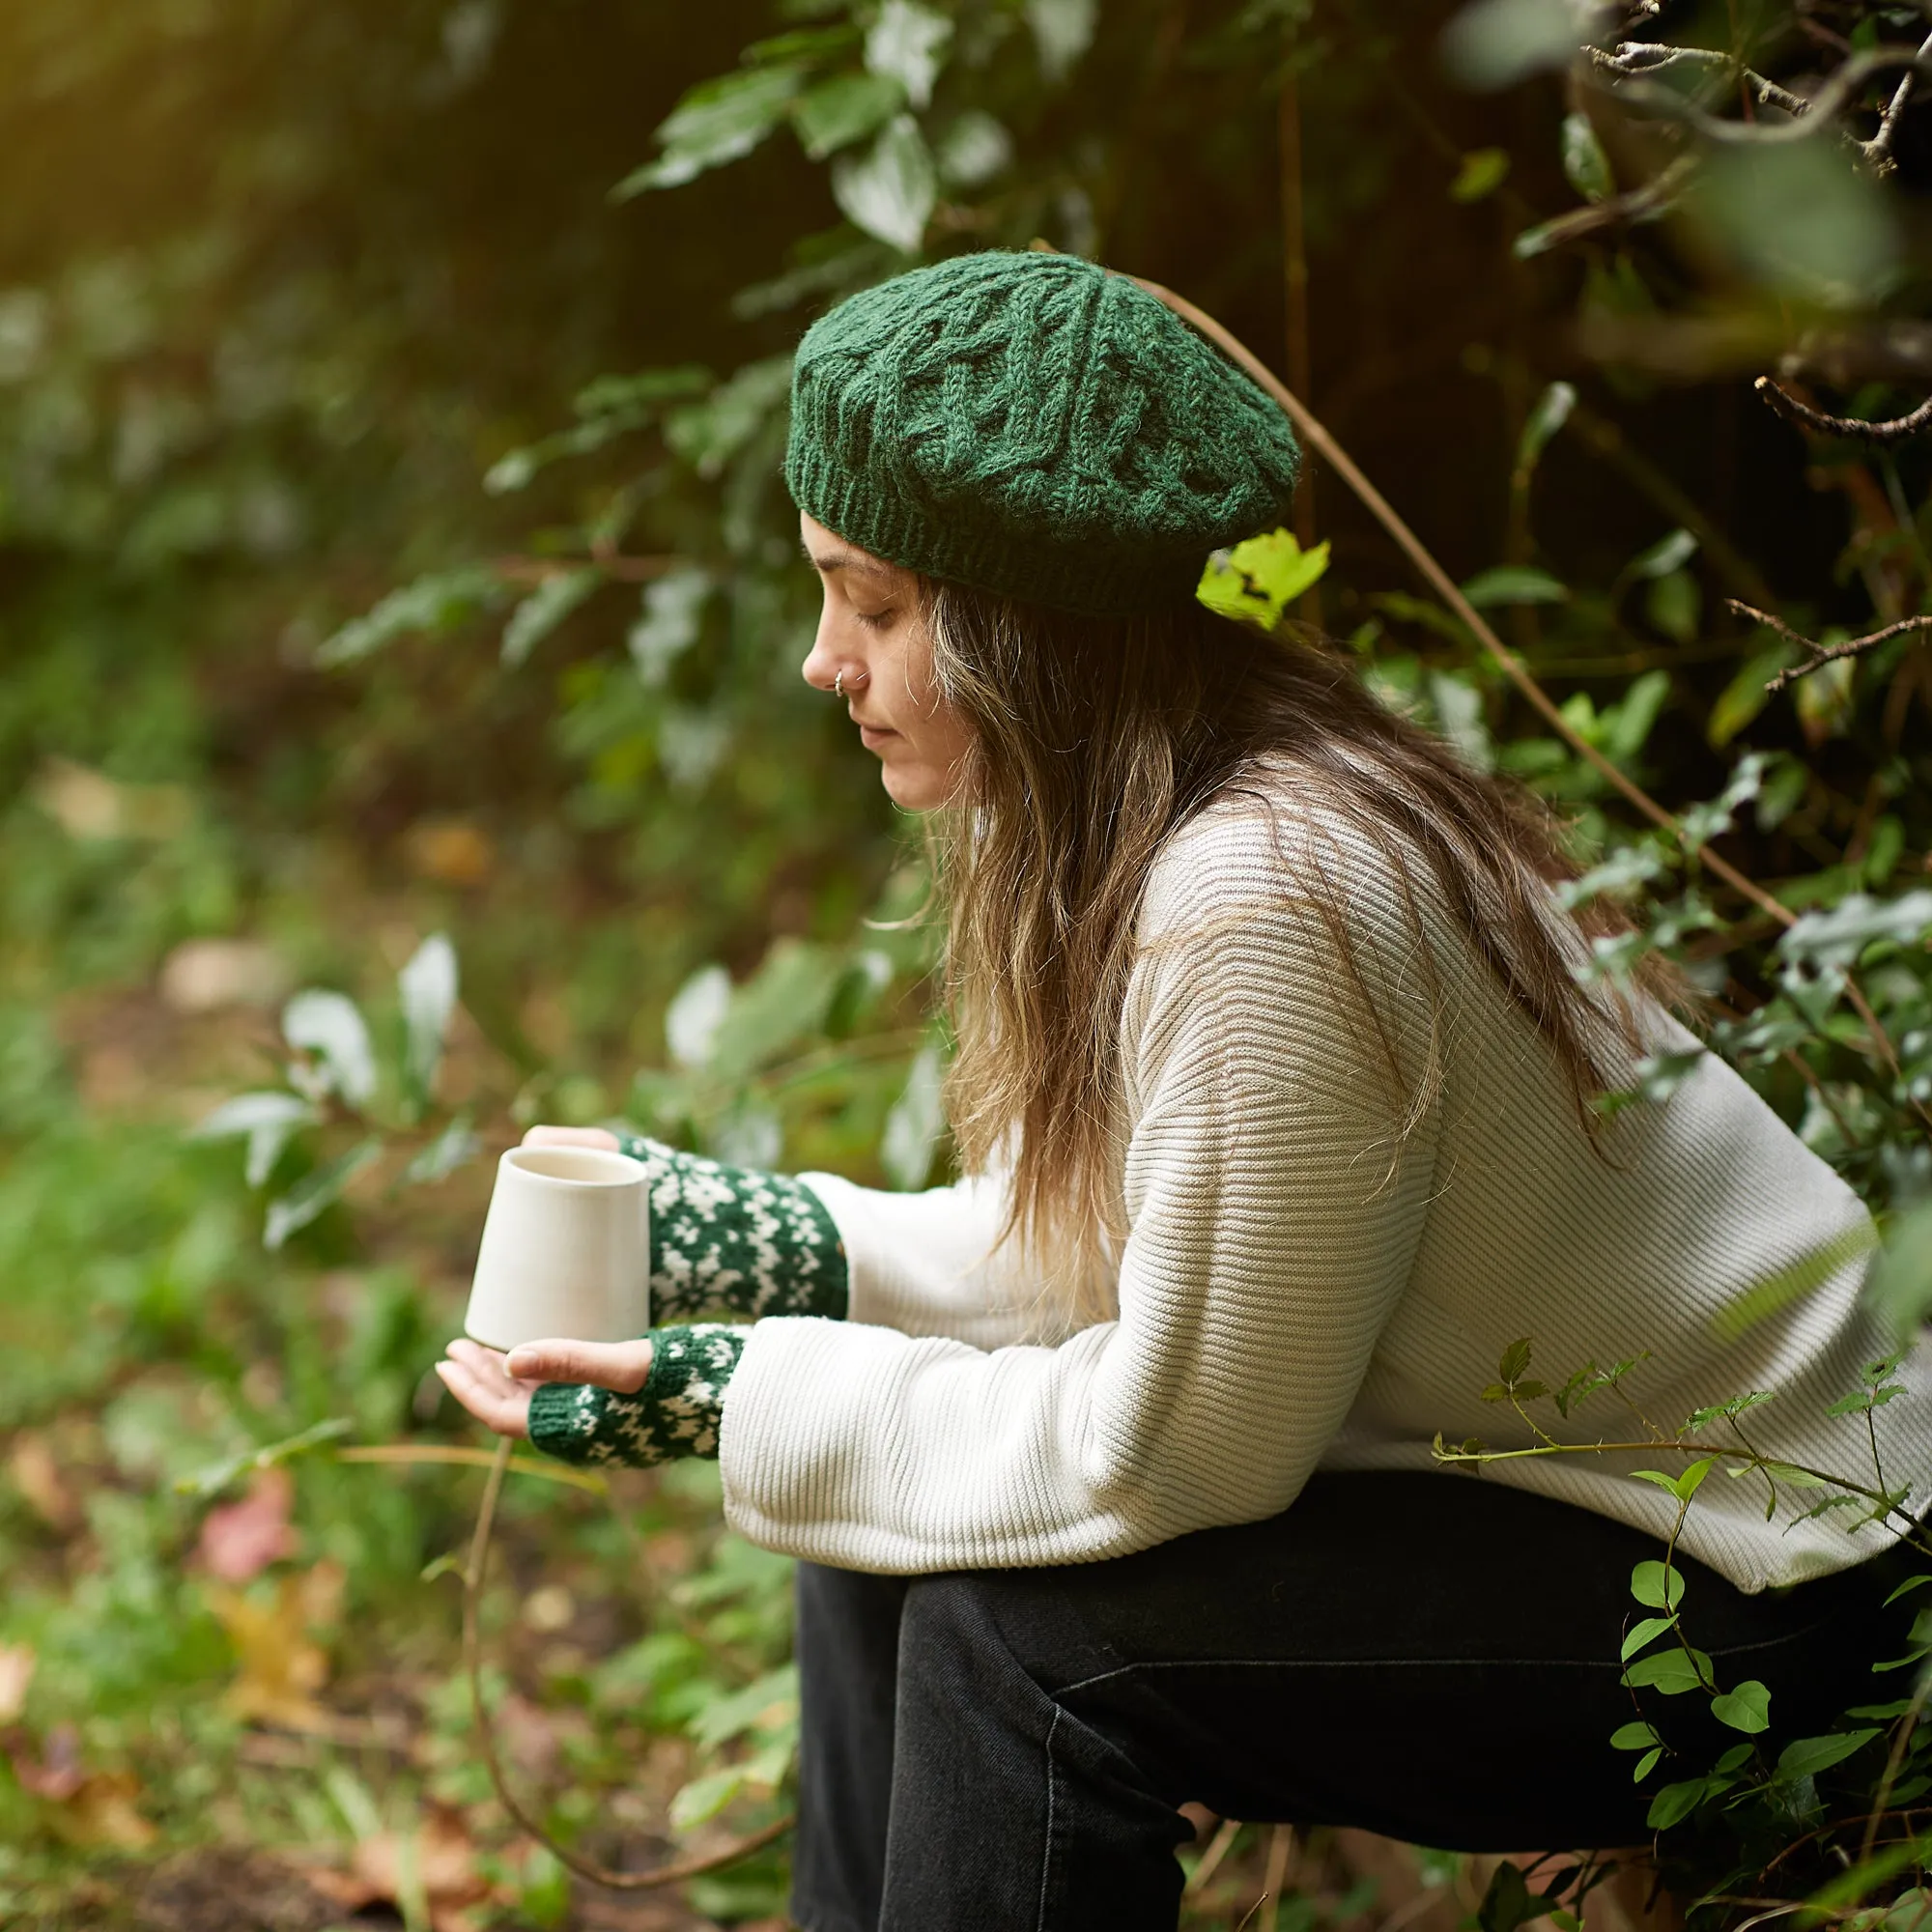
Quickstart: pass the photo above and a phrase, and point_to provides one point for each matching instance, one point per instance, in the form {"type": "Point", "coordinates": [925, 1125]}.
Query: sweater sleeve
{"type": "Point", "coordinates": [1275, 1194]}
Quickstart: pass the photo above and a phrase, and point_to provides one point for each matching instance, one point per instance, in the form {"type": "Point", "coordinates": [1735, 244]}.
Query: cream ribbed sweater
{"type": "Point", "coordinates": [1303, 1286]}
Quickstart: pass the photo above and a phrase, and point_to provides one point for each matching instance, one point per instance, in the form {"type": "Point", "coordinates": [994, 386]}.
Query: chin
{"type": "Point", "coordinates": [910, 791]}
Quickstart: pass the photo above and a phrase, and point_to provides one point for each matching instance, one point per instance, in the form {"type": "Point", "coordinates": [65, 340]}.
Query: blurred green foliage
{"type": "Point", "coordinates": [392, 546]}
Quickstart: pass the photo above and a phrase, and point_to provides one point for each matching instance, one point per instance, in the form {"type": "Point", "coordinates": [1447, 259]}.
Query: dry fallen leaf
{"type": "Point", "coordinates": [37, 1478]}
{"type": "Point", "coordinates": [17, 1672]}
{"type": "Point", "coordinates": [436, 1861]}
{"type": "Point", "coordinates": [281, 1667]}
{"type": "Point", "coordinates": [85, 1808]}
{"type": "Point", "coordinates": [239, 1541]}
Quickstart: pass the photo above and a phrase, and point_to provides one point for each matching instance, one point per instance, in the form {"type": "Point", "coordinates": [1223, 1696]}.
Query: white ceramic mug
{"type": "Point", "coordinates": [566, 1250]}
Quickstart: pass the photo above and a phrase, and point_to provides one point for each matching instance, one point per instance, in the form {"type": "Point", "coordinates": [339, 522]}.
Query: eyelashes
{"type": "Point", "coordinates": [876, 620]}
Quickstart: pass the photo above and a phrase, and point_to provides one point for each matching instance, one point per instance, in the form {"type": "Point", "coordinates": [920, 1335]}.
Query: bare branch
{"type": "Point", "coordinates": [1878, 149]}
{"type": "Point", "coordinates": [1821, 654]}
{"type": "Point", "coordinates": [1895, 430]}
{"type": "Point", "coordinates": [1641, 57]}
{"type": "Point", "coordinates": [1837, 94]}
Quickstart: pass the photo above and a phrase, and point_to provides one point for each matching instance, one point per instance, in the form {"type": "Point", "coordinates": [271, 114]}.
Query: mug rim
{"type": "Point", "coordinates": [629, 1169]}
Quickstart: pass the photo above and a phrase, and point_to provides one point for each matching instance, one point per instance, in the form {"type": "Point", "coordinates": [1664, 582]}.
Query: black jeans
{"type": "Point", "coordinates": [1429, 1656]}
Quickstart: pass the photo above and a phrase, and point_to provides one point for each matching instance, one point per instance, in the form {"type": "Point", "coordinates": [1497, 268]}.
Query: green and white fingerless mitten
{"type": "Point", "coordinates": [676, 1413]}
{"type": "Point", "coordinates": [724, 1239]}
{"type": "Point", "coordinates": [732, 1239]}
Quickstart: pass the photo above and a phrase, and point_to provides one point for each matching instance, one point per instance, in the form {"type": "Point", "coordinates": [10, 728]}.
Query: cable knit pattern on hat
{"type": "Point", "coordinates": [1032, 425]}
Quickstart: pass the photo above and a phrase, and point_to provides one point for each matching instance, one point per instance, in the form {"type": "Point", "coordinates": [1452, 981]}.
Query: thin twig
{"type": "Point", "coordinates": [619, 568]}
{"type": "Point", "coordinates": [1281, 1850]}
{"type": "Point", "coordinates": [1218, 1848]}
{"type": "Point", "coordinates": [1639, 57]}
{"type": "Point", "coordinates": [1907, 1724]}
{"type": "Point", "coordinates": [482, 1459]}
{"type": "Point", "coordinates": [1894, 430]}
{"type": "Point", "coordinates": [1445, 586]}
{"type": "Point", "coordinates": [1837, 93]}
{"type": "Point", "coordinates": [1821, 654]}
{"type": "Point", "coordinates": [1878, 149]}
{"type": "Point", "coordinates": [486, 1739]}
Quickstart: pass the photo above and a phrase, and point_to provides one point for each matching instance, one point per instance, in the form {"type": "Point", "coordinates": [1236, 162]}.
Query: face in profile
{"type": "Point", "coordinates": [871, 649]}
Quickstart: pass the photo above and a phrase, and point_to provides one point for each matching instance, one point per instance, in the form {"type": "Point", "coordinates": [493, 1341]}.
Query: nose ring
{"type": "Point", "coordinates": [839, 684]}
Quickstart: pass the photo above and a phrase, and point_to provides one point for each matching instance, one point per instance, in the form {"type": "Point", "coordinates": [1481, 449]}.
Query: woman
{"type": "Point", "coordinates": [1111, 1466]}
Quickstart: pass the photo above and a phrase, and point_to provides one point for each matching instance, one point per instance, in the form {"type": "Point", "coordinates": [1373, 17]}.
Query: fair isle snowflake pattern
{"type": "Point", "coordinates": [731, 1239]}
{"type": "Point", "coordinates": [676, 1413]}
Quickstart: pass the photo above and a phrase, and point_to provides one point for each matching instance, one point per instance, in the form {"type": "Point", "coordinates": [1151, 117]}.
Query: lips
{"type": "Point", "coordinates": [872, 737]}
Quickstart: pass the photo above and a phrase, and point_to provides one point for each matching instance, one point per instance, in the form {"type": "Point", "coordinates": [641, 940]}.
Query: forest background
{"type": "Point", "coordinates": [401, 741]}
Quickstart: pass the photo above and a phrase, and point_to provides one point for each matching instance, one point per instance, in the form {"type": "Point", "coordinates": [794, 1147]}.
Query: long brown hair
{"type": "Point", "coordinates": [1094, 741]}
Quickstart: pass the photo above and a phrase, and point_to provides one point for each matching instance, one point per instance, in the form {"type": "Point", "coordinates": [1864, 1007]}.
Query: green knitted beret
{"type": "Point", "coordinates": [1031, 425]}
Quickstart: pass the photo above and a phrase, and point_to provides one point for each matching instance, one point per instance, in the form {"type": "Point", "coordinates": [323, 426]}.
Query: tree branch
{"type": "Point", "coordinates": [1896, 430]}
{"type": "Point", "coordinates": [1822, 654]}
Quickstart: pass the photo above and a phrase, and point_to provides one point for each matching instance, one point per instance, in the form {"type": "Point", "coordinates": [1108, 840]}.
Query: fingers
{"type": "Point", "coordinates": [612, 1365]}
{"type": "Point", "coordinates": [478, 1381]}
{"type": "Point", "coordinates": [583, 1137]}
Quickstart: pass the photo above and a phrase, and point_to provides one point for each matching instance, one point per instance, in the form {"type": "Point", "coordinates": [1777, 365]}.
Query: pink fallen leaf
{"type": "Point", "coordinates": [240, 1540]}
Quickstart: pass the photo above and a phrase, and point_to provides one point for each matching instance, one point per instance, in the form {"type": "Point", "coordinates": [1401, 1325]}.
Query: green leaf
{"type": "Point", "coordinates": [907, 44]}
{"type": "Point", "coordinates": [1771, 1292]}
{"type": "Point", "coordinates": [1673, 603]}
{"type": "Point", "coordinates": [1482, 172]}
{"type": "Point", "coordinates": [1550, 412]}
{"type": "Point", "coordinates": [330, 1025]}
{"type": "Point", "coordinates": [914, 1123]}
{"type": "Point", "coordinates": [1063, 30]}
{"type": "Point", "coordinates": [844, 109]}
{"type": "Point", "coordinates": [1654, 1584]}
{"type": "Point", "coordinates": [1257, 581]}
{"type": "Point", "coordinates": [1645, 1765]}
{"type": "Point", "coordinates": [1806, 1758]}
{"type": "Point", "coordinates": [1675, 1802]}
{"type": "Point", "coordinates": [1900, 1288]}
{"type": "Point", "coordinates": [438, 601]}
{"type": "Point", "coordinates": [1514, 584]}
{"type": "Point", "coordinates": [545, 608]}
{"type": "Point", "coordinates": [1906, 1589]}
{"type": "Point", "coordinates": [1585, 165]}
{"type": "Point", "coordinates": [1670, 551]}
{"type": "Point", "coordinates": [704, 1798]}
{"type": "Point", "coordinates": [212, 1479]}
{"type": "Point", "coordinates": [1515, 1359]}
{"type": "Point", "coordinates": [1838, 935]}
{"type": "Point", "coordinates": [1647, 1632]}
{"type": "Point", "coordinates": [673, 612]}
{"type": "Point", "coordinates": [707, 435]}
{"type": "Point", "coordinates": [718, 120]}
{"type": "Point", "coordinates": [316, 1192]}
{"type": "Point", "coordinates": [427, 990]}
{"type": "Point", "coordinates": [1637, 1736]}
{"type": "Point", "coordinates": [268, 1119]}
{"type": "Point", "coordinates": [889, 191]}
{"type": "Point", "coordinates": [1670, 1672]}
{"type": "Point", "coordinates": [1692, 1480]}
{"type": "Point", "coordinates": [1746, 1708]}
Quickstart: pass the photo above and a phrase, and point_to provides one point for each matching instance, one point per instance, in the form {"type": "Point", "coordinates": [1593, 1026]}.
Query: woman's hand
{"type": "Point", "coordinates": [497, 1388]}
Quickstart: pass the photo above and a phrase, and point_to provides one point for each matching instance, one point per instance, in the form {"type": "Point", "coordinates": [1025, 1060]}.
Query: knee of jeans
{"type": "Point", "coordinates": [1005, 1619]}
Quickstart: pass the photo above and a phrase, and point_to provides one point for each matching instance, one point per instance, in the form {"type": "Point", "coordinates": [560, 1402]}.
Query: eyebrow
{"type": "Point", "coordinates": [846, 559]}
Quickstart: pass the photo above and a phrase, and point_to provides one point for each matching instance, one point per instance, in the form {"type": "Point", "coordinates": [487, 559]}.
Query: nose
{"type": "Point", "coordinates": [821, 663]}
